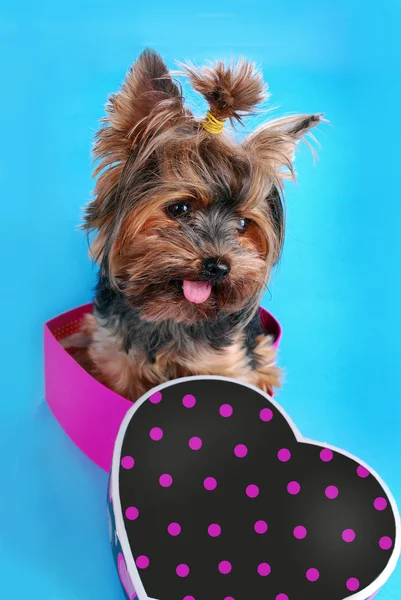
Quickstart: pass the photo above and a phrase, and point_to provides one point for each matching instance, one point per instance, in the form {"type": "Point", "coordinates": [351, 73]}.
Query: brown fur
{"type": "Point", "coordinates": [152, 152]}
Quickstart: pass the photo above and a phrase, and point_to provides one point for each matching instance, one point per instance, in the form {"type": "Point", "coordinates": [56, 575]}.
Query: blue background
{"type": "Point", "coordinates": [337, 291]}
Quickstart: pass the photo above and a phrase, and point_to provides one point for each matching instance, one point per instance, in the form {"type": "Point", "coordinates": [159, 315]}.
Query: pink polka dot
{"type": "Point", "coordinates": [293, 488]}
{"type": "Point", "coordinates": [385, 543]}
{"type": "Point", "coordinates": [142, 562]}
{"type": "Point", "coordinates": [127, 462]}
{"type": "Point", "coordinates": [182, 570]}
{"type": "Point", "coordinates": [264, 569]}
{"type": "Point", "coordinates": [156, 434]}
{"type": "Point", "coordinates": [266, 414]}
{"type": "Point", "coordinates": [331, 492]}
{"type": "Point", "coordinates": [300, 532]}
{"type": "Point", "coordinates": [214, 530]}
{"type": "Point", "coordinates": [312, 574]}
{"type": "Point", "coordinates": [380, 503]}
{"type": "Point", "coordinates": [174, 529]}
{"type": "Point", "coordinates": [252, 491]}
{"type": "Point", "coordinates": [284, 455]}
{"type": "Point", "coordinates": [210, 483]}
{"type": "Point", "coordinates": [348, 535]}
{"type": "Point", "coordinates": [362, 472]}
{"type": "Point", "coordinates": [229, 598]}
{"type": "Point", "coordinates": [165, 480]}
{"type": "Point", "coordinates": [132, 513]}
{"type": "Point", "coordinates": [189, 598]}
{"type": "Point", "coordinates": [226, 410]}
{"type": "Point", "coordinates": [189, 401]}
{"type": "Point", "coordinates": [282, 597]}
{"type": "Point", "coordinates": [225, 567]}
{"type": "Point", "coordinates": [326, 455]}
{"type": "Point", "coordinates": [352, 584]}
{"type": "Point", "coordinates": [261, 527]}
{"type": "Point", "coordinates": [240, 450]}
{"type": "Point", "coordinates": [155, 398]}
{"type": "Point", "coordinates": [195, 443]}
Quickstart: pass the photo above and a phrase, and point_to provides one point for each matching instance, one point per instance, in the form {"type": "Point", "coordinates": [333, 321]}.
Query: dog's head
{"type": "Point", "coordinates": [188, 221]}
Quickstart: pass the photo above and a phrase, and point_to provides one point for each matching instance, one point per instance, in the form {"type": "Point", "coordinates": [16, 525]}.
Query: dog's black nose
{"type": "Point", "coordinates": [215, 269]}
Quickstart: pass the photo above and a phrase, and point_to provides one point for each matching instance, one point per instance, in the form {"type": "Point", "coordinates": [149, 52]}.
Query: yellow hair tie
{"type": "Point", "coordinates": [211, 124]}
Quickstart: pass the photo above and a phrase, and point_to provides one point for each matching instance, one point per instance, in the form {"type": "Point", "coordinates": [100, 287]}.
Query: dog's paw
{"type": "Point", "coordinates": [84, 337]}
{"type": "Point", "coordinates": [268, 375]}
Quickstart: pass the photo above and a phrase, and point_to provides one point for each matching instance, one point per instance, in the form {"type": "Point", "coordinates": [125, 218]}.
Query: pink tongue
{"type": "Point", "coordinates": [196, 291]}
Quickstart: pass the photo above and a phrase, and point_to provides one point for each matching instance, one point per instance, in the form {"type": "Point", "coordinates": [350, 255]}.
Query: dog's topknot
{"type": "Point", "coordinates": [232, 90]}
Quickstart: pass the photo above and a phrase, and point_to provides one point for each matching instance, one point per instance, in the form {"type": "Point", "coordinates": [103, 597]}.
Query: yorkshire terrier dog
{"type": "Point", "coordinates": [188, 224]}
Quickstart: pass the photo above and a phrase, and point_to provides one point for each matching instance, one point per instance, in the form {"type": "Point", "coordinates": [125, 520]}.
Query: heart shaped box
{"type": "Point", "coordinates": [215, 495]}
{"type": "Point", "coordinates": [89, 412]}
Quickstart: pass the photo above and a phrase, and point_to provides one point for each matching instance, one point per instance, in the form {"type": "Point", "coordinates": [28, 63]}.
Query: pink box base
{"type": "Point", "coordinates": [89, 412]}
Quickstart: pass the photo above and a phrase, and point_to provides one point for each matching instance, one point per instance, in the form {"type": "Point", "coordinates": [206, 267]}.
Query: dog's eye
{"type": "Point", "coordinates": [242, 224]}
{"type": "Point", "coordinates": [179, 209]}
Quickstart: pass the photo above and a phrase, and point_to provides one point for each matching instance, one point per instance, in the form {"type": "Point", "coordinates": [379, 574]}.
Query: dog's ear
{"type": "Point", "coordinates": [148, 102]}
{"type": "Point", "coordinates": [274, 143]}
{"type": "Point", "coordinates": [148, 91]}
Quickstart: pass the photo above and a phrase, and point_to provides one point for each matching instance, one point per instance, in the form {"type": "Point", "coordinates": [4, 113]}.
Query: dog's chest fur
{"type": "Point", "coordinates": [133, 355]}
